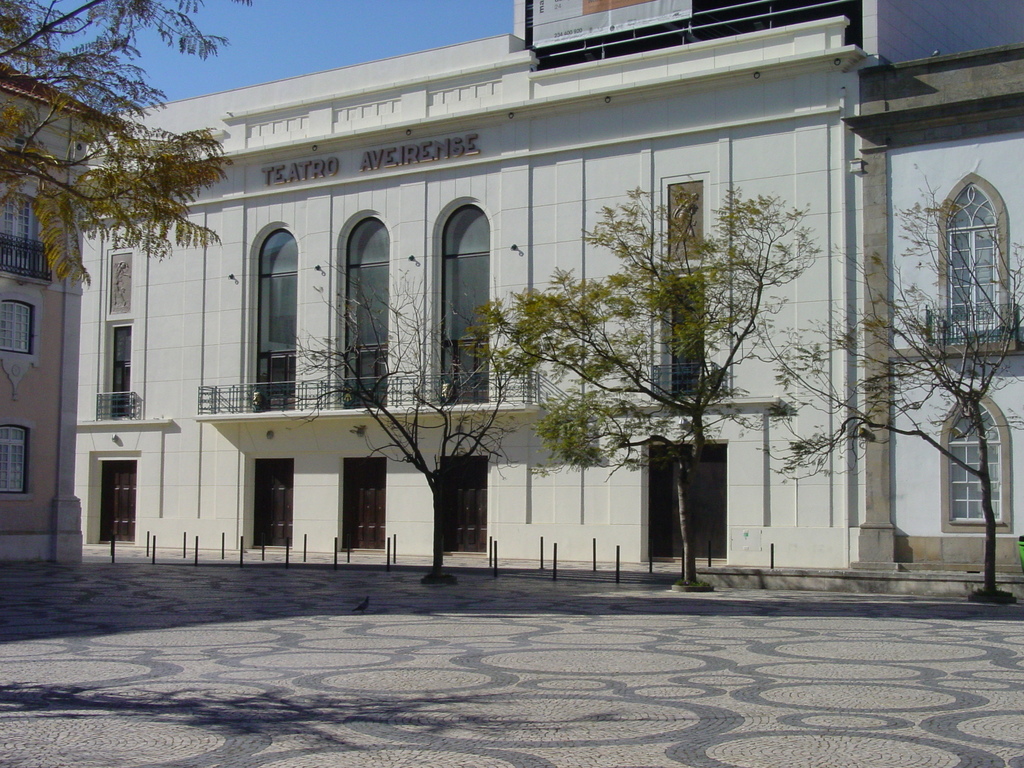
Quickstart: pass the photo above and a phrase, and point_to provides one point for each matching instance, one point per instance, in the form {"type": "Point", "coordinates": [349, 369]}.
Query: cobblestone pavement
{"type": "Point", "coordinates": [131, 664]}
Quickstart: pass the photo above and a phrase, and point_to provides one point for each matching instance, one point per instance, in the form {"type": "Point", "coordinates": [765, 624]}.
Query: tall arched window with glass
{"type": "Point", "coordinates": [367, 302]}
{"type": "Point", "coordinates": [465, 279]}
{"type": "Point", "coordinates": [975, 295]}
{"type": "Point", "coordinates": [279, 259]}
{"type": "Point", "coordinates": [965, 487]}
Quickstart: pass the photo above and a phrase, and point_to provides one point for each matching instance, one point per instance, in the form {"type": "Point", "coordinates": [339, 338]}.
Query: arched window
{"type": "Point", "coordinates": [16, 326]}
{"type": "Point", "coordinates": [13, 442]}
{"type": "Point", "coordinates": [964, 487]}
{"type": "Point", "coordinates": [973, 278]}
{"type": "Point", "coordinates": [465, 279]}
{"type": "Point", "coordinates": [367, 300]}
{"type": "Point", "coordinates": [279, 260]}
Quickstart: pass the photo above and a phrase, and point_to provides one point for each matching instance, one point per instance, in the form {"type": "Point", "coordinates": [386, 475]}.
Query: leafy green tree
{"type": "Point", "coordinates": [73, 130]}
{"type": "Point", "coordinates": [927, 362]}
{"type": "Point", "coordinates": [651, 353]}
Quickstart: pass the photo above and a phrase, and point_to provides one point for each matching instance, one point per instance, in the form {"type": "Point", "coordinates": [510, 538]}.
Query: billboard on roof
{"type": "Point", "coordinates": [560, 21]}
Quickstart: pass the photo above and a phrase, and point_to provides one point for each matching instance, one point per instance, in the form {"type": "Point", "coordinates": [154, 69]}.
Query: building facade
{"type": "Point", "coordinates": [944, 132]}
{"type": "Point", "coordinates": [480, 164]}
{"type": "Point", "coordinates": [39, 326]}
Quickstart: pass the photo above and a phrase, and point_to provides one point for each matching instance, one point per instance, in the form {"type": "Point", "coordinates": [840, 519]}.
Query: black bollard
{"type": "Point", "coordinates": [650, 558]}
{"type": "Point", "coordinates": [394, 549]}
{"type": "Point", "coordinates": [387, 556]}
{"type": "Point", "coordinates": [223, 541]}
{"type": "Point", "coordinates": [112, 538]}
{"type": "Point", "coordinates": [617, 549]}
{"type": "Point", "coordinates": [335, 553]}
{"type": "Point", "coordinates": [771, 550]}
{"type": "Point", "coordinates": [197, 551]}
{"type": "Point", "coordinates": [490, 551]}
{"type": "Point", "coordinates": [709, 553]}
{"type": "Point", "coordinates": [348, 557]}
{"type": "Point", "coordinates": [542, 553]}
{"type": "Point", "coordinates": [495, 558]}
{"type": "Point", "coordinates": [241, 551]}
{"type": "Point", "coordinates": [304, 537]}
{"type": "Point", "coordinates": [595, 554]}
{"type": "Point", "coordinates": [287, 549]}
{"type": "Point", "coordinates": [184, 544]}
{"type": "Point", "coordinates": [154, 550]}
{"type": "Point", "coordinates": [263, 546]}
{"type": "Point", "coordinates": [147, 543]}
{"type": "Point", "coordinates": [554, 561]}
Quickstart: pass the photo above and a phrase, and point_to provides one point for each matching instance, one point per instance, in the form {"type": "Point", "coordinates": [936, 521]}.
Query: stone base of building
{"type": "Point", "coordinates": [955, 553]}
{"type": "Point", "coordinates": [923, 583]}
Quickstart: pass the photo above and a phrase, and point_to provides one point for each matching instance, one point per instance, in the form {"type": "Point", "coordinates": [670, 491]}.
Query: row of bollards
{"type": "Point", "coordinates": [391, 553]}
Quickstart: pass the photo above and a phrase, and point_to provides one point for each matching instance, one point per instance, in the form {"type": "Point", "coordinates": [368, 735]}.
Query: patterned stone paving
{"type": "Point", "coordinates": [172, 666]}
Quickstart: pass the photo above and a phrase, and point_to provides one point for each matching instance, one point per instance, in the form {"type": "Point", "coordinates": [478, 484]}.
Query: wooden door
{"type": "Point", "coordinates": [464, 501]}
{"type": "Point", "coordinates": [272, 510]}
{"type": "Point", "coordinates": [117, 500]}
{"type": "Point", "coordinates": [707, 507]}
{"type": "Point", "coordinates": [364, 504]}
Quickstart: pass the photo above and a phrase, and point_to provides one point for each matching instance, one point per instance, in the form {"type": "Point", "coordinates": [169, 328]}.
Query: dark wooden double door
{"type": "Point", "coordinates": [118, 485]}
{"type": "Point", "coordinates": [364, 503]}
{"type": "Point", "coordinates": [272, 505]}
{"type": "Point", "coordinates": [707, 507]}
{"type": "Point", "coordinates": [463, 498]}
{"type": "Point", "coordinates": [464, 503]}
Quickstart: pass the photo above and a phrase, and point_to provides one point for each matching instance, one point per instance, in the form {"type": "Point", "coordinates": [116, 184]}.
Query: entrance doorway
{"type": "Point", "coordinates": [272, 510]}
{"type": "Point", "coordinates": [364, 502]}
{"type": "Point", "coordinates": [707, 507]}
{"type": "Point", "coordinates": [464, 501]}
{"type": "Point", "coordinates": [117, 500]}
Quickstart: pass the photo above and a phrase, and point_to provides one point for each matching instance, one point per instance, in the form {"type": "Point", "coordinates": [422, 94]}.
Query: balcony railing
{"type": "Point", "coordinates": [21, 256]}
{"type": "Point", "coordinates": [977, 325]}
{"type": "Point", "coordinates": [678, 378]}
{"type": "Point", "coordinates": [111, 406]}
{"type": "Point", "coordinates": [352, 394]}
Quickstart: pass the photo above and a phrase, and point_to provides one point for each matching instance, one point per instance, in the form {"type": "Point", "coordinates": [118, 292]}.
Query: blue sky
{"type": "Point", "coordinates": [274, 39]}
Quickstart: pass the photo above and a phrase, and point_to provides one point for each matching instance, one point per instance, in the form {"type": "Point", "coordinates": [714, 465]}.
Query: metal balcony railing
{"type": "Point", "coordinates": [677, 378]}
{"type": "Point", "coordinates": [22, 256]}
{"type": "Point", "coordinates": [392, 391]}
{"type": "Point", "coordinates": [979, 325]}
{"type": "Point", "coordinates": [111, 406]}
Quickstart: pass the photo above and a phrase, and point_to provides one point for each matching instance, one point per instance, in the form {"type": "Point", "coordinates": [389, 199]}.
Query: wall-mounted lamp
{"type": "Point", "coordinates": [408, 131]}
{"type": "Point", "coordinates": [270, 434]}
{"type": "Point", "coordinates": [516, 249]}
{"type": "Point", "coordinates": [320, 269]}
{"type": "Point", "coordinates": [232, 277]}
{"type": "Point", "coordinates": [607, 99]}
{"type": "Point", "coordinates": [117, 440]}
{"type": "Point", "coordinates": [415, 261]}
{"type": "Point", "coordinates": [358, 429]}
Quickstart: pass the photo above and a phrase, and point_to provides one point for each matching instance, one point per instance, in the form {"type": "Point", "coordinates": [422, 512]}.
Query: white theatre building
{"type": "Point", "coordinates": [405, 169]}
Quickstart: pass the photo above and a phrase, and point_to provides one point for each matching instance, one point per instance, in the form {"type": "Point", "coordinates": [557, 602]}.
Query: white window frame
{"type": "Point", "coordinates": [961, 491]}
{"type": "Point", "coordinates": [13, 458]}
{"type": "Point", "coordinates": [16, 326]}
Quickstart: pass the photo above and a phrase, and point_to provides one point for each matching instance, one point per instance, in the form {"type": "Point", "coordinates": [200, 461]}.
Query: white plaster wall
{"type": "Point", "coordinates": [917, 176]}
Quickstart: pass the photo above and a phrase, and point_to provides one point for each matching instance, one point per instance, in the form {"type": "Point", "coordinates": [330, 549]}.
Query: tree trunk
{"type": "Point", "coordinates": [985, 479]}
{"type": "Point", "coordinates": [682, 472]}
{"type": "Point", "coordinates": [438, 552]}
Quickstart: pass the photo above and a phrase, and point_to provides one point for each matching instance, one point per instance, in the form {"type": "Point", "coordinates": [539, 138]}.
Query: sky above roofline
{"type": "Point", "coordinates": [275, 39]}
